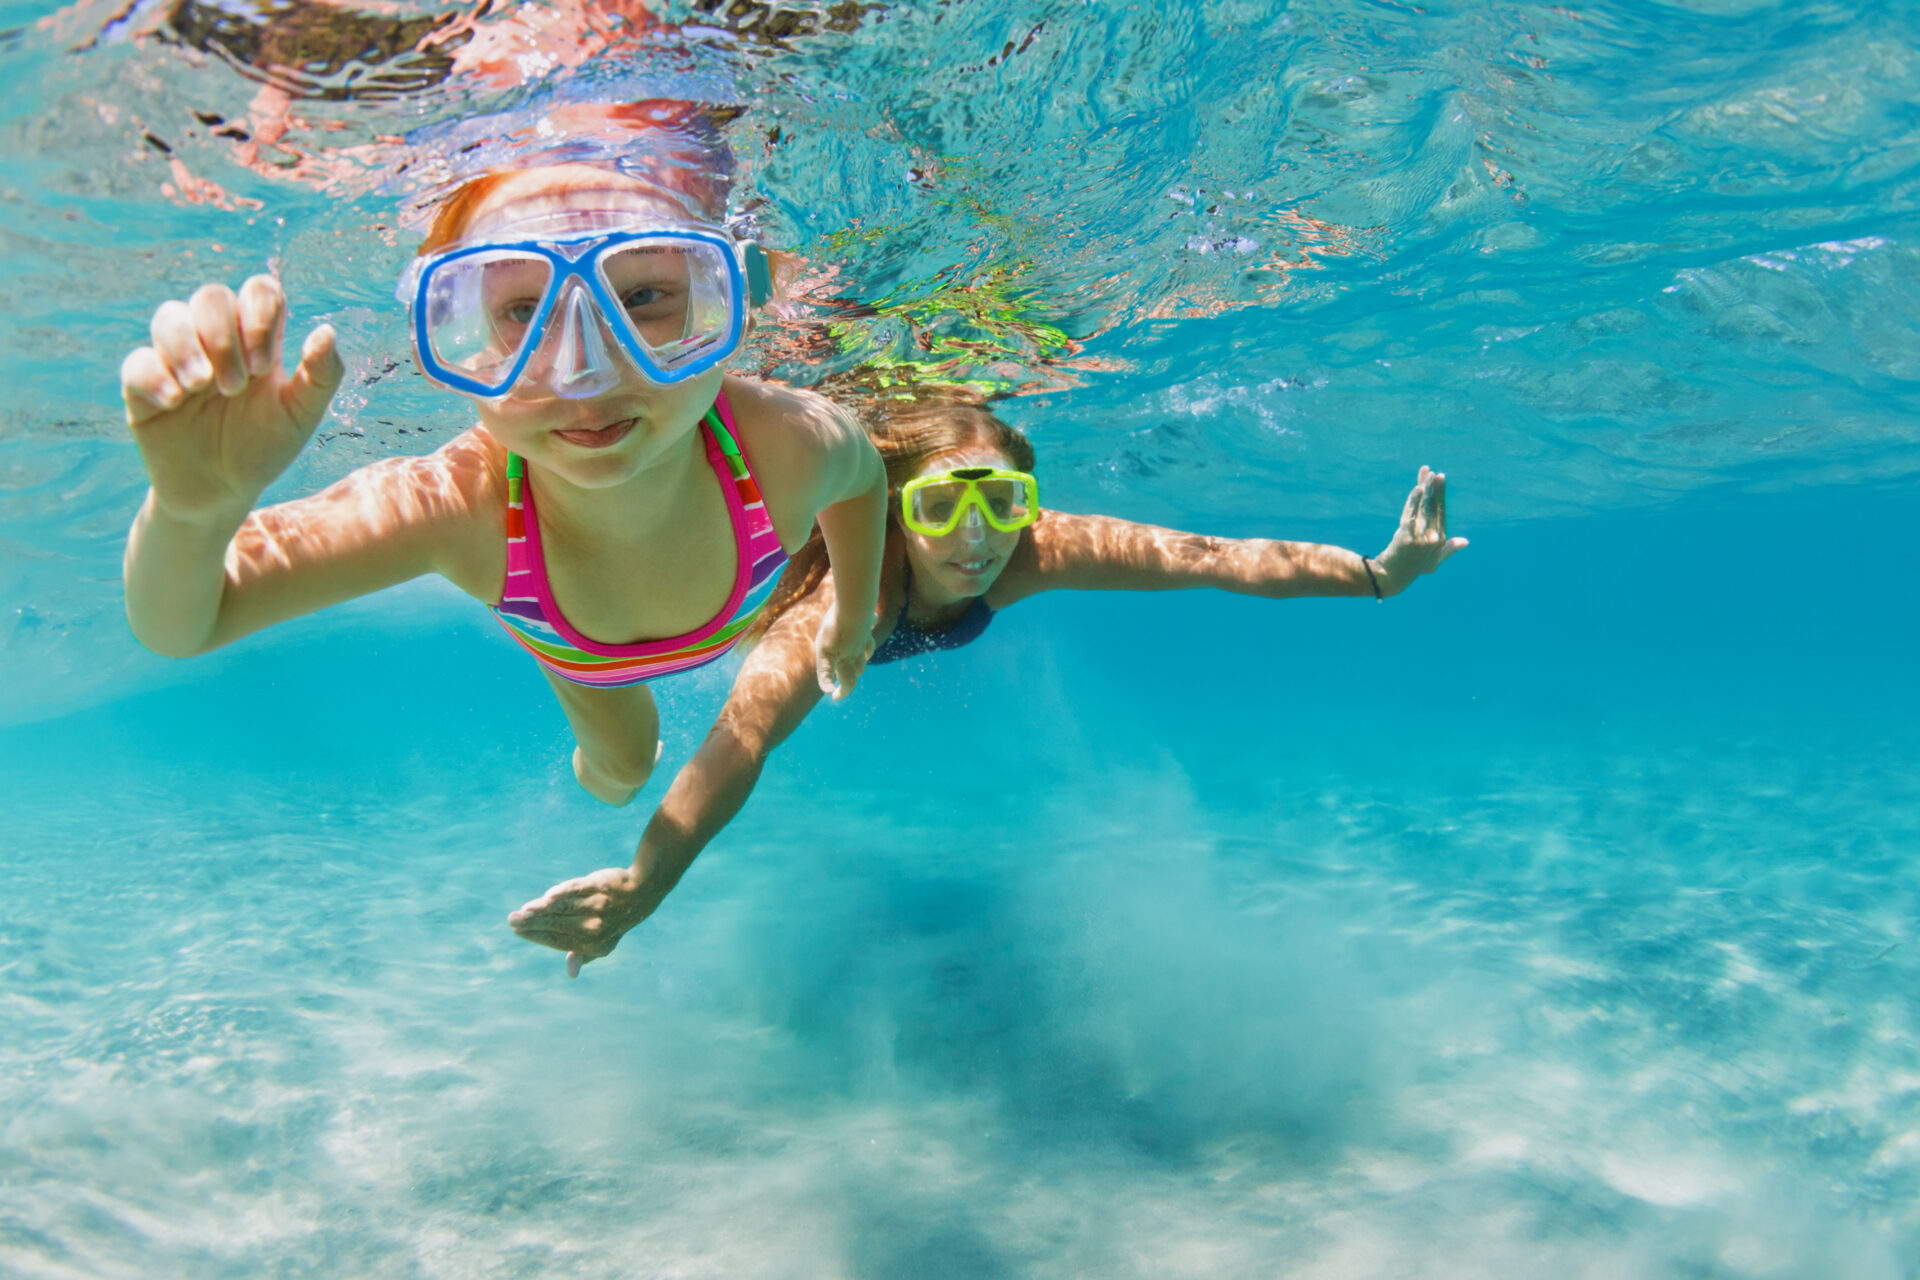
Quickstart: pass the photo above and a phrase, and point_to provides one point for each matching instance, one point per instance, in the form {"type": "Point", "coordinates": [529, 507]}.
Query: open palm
{"type": "Point", "coordinates": [1421, 544]}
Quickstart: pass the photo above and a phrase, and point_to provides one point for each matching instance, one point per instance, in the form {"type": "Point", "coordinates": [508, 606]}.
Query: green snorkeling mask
{"type": "Point", "coordinates": [935, 505]}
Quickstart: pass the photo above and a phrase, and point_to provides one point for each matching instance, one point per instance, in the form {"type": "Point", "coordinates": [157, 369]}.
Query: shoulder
{"type": "Point", "coordinates": [474, 457]}
{"type": "Point", "coordinates": [1055, 540]}
{"type": "Point", "coordinates": [458, 493]}
{"type": "Point", "coordinates": [789, 422]}
{"type": "Point", "coordinates": [1063, 539]}
{"type": "Point", "coordinates": [463, 477]}
{"type": "Point", "coordinates": [1064, 550]}
{"type": "Point", "coordinates": [805, 450]}
{"type": "Point", "coordinates": [472, 466]}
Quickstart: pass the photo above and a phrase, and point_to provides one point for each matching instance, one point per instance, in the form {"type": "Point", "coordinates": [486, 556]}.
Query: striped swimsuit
{"type": "Point", "coordinates": [529, 614]}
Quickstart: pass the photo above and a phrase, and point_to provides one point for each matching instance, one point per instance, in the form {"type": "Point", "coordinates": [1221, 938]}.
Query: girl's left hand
{"type": "Point", "coordinates": [839, 658]}
{"type": "Point", "coordinates": [1421, 543]}
{"type": "Point", "coordinates": [586, 916]}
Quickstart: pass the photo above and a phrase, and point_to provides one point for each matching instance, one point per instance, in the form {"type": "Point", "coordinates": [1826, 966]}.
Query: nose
{"type": "Point", "coordinates": [580, 365]}
{"type": "Point", "coordinates": [974, 526]}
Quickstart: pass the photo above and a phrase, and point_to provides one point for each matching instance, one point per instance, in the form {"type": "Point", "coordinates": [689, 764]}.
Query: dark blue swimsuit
{"type": "Point", "coordinates": [908, 641]}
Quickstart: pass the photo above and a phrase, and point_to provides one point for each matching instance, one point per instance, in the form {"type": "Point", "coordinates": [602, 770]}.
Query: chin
{"type": "Point", "coordinates": [972, 584]}
{"type": "Point", "coordinates": [602, 472]}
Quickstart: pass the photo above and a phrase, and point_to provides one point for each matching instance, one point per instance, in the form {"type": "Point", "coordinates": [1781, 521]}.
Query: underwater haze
{"type": "Point", "coordinates": [1553, 919]}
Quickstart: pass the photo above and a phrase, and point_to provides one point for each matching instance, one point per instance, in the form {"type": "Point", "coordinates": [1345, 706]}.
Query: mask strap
{"type": "Point", "coordinates": [759, 275]}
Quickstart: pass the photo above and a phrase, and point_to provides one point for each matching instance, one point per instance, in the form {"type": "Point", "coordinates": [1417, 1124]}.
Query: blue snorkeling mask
{"type": "Point", "coordinates": [558, 299]}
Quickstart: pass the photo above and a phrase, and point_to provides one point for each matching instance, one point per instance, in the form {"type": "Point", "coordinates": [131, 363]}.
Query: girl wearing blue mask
{"type": "Point", "coordinates": [624, 505]}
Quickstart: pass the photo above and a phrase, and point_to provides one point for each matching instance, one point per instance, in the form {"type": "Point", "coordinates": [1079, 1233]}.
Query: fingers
{"type": "Point", "coordinates": [561, 934]}
{"type": "Point", "coordinates": [178, 344]}
{"type": "Point", "coordinates": [215, 340]}
{"type": "Point", "coordinates": [537, 906]}
{"type": "Point", "coordinates": [1425, 517]}
{"type": "Point", "coordinates": [263, 322]}
{"type": "Point", "coordinates": [847, 672]}
{"type": "Point", "coordinates": [147, 385]}
{"type": "Point", "coordinates": [578, 938]}
{"type": "Point", "coordinates": [1411, 510]}
{"type": "Point", "coordinates": [575, 909]}
{"type": "Point", "coordinates": [564, 898]}
{"type": "Point", "coordinates": [215, 312]}
{"type": "Point", "coordinates": [587, 955]}
{"type": "Point", "coordinates": [566, 906]}
{"type": "Point", "coordinates": [1433, 521]}
{"type": "Point", "coordinates": [311, 388]}
{"type": "Point", "coordinates": [838, 675]}
{"type": "Point", "coordinates": [583, 917]}
{"type": "Point", "coordinates": [559, 940]}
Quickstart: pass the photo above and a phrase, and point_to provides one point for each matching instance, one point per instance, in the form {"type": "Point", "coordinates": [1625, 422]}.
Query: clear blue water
{"type": "Point", "coordinates": [1555, 919]}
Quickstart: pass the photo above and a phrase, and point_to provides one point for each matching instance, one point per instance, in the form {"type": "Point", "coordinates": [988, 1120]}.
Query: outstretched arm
{"type": "Point", "coordinates": [776, 688]}
{"type": "Point", "coordinates": [1099, 553]}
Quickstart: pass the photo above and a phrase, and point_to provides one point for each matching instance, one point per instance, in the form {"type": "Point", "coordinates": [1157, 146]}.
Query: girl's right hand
{"type": "Point", "coordinates": [216, 418]}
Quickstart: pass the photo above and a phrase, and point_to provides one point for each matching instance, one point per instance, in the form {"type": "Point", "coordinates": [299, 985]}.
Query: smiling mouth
{"type": "Point", "coordinates": [972, 566]}
{"type": "Point", "coordinates": [599, 437]}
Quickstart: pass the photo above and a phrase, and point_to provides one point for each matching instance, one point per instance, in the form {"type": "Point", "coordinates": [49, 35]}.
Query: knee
{"type": "Point", "coordinates": [614, 779]}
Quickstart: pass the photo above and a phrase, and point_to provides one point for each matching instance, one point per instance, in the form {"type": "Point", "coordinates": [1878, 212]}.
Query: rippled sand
{"type": "Point", "coordinates": [1395, 991]}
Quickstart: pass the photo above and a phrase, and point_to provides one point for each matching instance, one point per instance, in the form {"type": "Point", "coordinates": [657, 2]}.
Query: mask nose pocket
{"type": "Point", "coordinates": [582, 365]}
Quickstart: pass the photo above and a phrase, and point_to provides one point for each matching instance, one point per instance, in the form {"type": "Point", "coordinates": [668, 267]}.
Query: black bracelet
{"type": "Point", "coordinates": [1377, 597]}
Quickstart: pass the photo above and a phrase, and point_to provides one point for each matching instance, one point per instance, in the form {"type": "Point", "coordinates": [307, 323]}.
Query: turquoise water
{"type": "Point", "coordinates": [1554, 919]}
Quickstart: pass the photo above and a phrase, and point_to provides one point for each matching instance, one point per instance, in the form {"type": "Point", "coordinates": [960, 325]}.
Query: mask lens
{"type": "Point", "coordinates": [933, 506]}
{"type": "Point", "coordinates": [480, 307]}
{"type": "Point", "coordinates": [1007, 505]}
{"type": "Point", "coordinates": [675, 296]}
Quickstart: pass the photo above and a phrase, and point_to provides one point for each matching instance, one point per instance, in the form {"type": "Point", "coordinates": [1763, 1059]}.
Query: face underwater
{"type": "Point", "coordinates": [962, 515]}
{"type": "Point", "coordinates": [588, 320]}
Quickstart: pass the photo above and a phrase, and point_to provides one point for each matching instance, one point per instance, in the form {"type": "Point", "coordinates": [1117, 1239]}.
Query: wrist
{"type": "Point", "coordinates": [1375, 580]}
{"type": "Point", "coordinates": [655, 870]}
{"type": "Point", "coordinates": [640, 897]}
{"type": "Point", "coordinates": [221, 519]}
{"type": "Point", "coordinates": [1392, 573]}
{"type": "Point", "coordinates": [849, 619]}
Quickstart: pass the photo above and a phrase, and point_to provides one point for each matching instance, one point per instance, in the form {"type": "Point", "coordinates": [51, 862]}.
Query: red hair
{"type": "Point", "coordinates": [455, 213]}
{"type": "Point", "coordinates": [679, 144]}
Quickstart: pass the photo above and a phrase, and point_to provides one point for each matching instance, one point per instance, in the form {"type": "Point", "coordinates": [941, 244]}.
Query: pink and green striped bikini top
{"type": "Point", "coordinates": [529, 614]}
